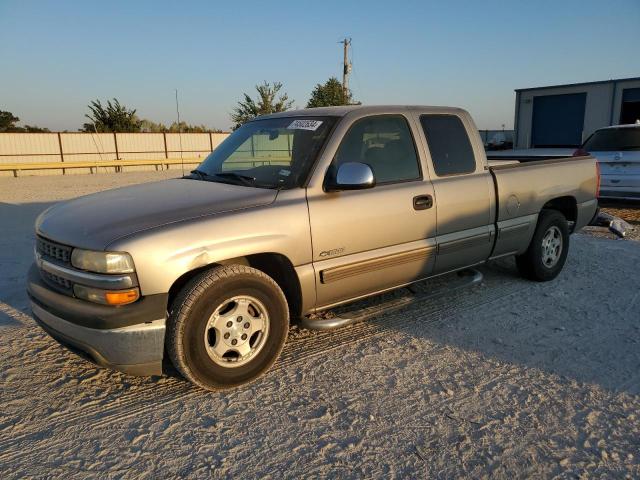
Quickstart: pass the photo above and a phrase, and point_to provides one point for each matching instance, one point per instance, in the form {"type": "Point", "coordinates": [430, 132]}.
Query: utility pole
{"type": "Point", "coordinates": [346, 68]}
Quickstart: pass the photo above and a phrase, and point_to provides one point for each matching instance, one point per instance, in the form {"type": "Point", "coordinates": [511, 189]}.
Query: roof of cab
{"type": "Point", "coordinates": [343, 110]}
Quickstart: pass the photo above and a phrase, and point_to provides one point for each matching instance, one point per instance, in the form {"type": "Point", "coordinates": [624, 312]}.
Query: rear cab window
{"type": "Point", "coordinates": [614, 140]}
{"type": "Point", "coordinates": [449, 144]}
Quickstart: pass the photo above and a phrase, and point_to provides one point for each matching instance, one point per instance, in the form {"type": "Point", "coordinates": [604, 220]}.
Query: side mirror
{"type": "Point", "coordinates": [350, 176]}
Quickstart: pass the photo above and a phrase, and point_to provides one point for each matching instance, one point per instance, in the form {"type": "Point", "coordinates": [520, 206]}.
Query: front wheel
{"type": "Point", "coordinates": [227, 327]}
{"type": "Point", "coordinates": [548, 249]}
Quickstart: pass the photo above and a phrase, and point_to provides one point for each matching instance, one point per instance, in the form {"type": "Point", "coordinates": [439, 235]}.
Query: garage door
{"type": "Point", "coordinates": [630, 111]}
{"type": "Point", "coordinates": [558, 120]}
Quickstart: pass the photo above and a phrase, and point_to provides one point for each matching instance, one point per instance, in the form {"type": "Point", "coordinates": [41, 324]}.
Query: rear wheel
{"type": "Point", "coordinates": [547, 252]}
{"type": "Point", "coordinates": [227, 327]}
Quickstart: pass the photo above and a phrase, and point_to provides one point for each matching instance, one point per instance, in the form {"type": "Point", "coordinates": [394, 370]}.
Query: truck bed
{"type": "Point", "coordinates": [501, 161]}
{"type": "Point", "coordinates": [523, 189]}
{"type": "Point", "coordinates": [508, 157]}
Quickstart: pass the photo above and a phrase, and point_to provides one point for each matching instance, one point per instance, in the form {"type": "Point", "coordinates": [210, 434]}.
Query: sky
{"type": "Point", "coordinates": [57, 56]}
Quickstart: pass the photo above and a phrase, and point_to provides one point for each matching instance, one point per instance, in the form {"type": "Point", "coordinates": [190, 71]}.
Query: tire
{"type": "Point", "coordinates": [547, 252]}
{"type": "Point", "coordinates": [212, 311]}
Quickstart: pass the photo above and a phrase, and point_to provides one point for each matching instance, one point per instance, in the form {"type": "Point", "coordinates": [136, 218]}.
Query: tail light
{"type": "Point", "coordinates": [580, 153]}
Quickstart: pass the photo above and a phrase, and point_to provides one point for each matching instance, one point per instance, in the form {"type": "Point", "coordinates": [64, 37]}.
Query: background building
{"type": "Point", "coordinates": [565, 115]}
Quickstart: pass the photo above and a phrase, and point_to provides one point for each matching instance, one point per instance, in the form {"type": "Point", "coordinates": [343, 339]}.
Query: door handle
{"type": "Point", "coordinates": [422, 202]}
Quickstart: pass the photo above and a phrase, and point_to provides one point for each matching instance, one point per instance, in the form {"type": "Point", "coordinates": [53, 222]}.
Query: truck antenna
{"type": "Point", "coordinates": [179, 132]}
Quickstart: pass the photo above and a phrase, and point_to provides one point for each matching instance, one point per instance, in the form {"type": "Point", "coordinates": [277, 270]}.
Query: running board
{"type": "Point", "coordinates": [467, 278]}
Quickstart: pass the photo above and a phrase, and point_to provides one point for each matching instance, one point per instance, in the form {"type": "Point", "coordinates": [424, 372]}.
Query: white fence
{"type": "Point", "coordinates": [95, 147]}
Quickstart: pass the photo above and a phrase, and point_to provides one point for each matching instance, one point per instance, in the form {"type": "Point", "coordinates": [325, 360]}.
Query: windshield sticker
{"type": "Point", "coordinates": [305, 125]}
{"type": "Point", "coordinates": [285, 173]}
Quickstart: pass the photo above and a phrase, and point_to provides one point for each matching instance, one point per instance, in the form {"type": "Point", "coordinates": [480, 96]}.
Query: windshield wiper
{"type": "Point", "coordinates": [239, 176]}
{"type": "Point", "coordinates": [202, 175]}
{"type": "Point", "coordinates": [227, 177]}
{"type": "Point", "coordinates": [248, 180]}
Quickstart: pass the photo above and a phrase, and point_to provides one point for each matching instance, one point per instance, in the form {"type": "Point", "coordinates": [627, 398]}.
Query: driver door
{"type": "Point", "coordinates": [366, 241]}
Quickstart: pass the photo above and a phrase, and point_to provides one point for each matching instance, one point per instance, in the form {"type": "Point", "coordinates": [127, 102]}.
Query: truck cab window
{"type": "Point", "coordinates": [449, 145]}
{"type": "Point", "coordinates": [385, 144]}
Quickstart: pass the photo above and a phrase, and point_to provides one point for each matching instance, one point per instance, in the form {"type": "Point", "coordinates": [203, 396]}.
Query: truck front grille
{"type": "Point", "coordinates": [56, 281]}
{"type": "Point", "coordinates": [53, 251]}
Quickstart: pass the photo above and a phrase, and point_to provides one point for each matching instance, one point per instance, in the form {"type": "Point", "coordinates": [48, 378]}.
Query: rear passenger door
{"type": "Point", "coordinates": [463, 191]}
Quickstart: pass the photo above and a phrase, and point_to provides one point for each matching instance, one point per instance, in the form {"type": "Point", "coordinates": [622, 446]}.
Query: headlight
{"type": "Point", "coordinates": [102, 262]}
{"type": "Point", "coordinates": [106, 297]}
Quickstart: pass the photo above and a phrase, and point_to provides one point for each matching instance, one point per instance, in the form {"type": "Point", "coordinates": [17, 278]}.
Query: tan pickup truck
{"type": "Point", "coordinates": [293, 213]}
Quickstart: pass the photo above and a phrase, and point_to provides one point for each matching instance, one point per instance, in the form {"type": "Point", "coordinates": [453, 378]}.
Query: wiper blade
{"type": "Point", "coordinates": [202, 175]}
{"type": "Point", "coordinates": [229, 177]}
{"type": "Point", "coordinates": [235, 175]}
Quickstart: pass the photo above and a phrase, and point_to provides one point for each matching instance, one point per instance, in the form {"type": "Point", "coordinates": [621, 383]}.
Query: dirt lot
{"type": "Point", "coordinates": [502, 379]}
{"type": "Point", "coordinates": [629, 212]}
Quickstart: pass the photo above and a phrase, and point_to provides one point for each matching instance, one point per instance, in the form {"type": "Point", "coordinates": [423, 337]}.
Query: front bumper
{"type": "Point", "coordinates": [136, 350]}
{"type": "Point", "coordinates": [128, 338]}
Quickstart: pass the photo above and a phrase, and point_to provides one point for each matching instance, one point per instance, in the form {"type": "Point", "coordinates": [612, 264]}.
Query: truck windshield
{"type": "Point", "coordinates": [270, 153]}
{"type": "Point", "coordinates": [613, 139]}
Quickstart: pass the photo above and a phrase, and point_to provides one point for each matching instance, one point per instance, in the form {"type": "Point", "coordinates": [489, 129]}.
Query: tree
{"type": "Point", "coordinates": [34, 129]}
{"type": "Point", "coordinates": [8, 124]}
{"type": "Point", "coordinates": [7, 121]}
{"type": "Point", "coordinates": [328, 94]}
{"type": "Point", "coordinates": [112, 118]}
{"type": "Point", "coordinates": [149, 126]}
{"type": "Point", "coordinates": [264, 104]}
{"type": "Point", "coordinates": [183, 127]}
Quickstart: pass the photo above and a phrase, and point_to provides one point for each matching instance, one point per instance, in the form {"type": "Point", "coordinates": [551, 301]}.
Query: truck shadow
{"type": "Point", "coordinates": [16, 254]}
{"type": "Point", "coordinates": [570, 327]}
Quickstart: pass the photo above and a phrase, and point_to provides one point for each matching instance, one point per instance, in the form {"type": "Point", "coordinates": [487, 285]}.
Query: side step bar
{"type": "Point", "coordinates": [469, 277]}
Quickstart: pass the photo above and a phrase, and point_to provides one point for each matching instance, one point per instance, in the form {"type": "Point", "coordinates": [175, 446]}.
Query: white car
{"type": "Point", "coordinates": [617, 150]}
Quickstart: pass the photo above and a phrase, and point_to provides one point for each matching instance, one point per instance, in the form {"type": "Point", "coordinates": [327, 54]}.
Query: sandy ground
{"type": "Point", "coordinates": [502, 379]}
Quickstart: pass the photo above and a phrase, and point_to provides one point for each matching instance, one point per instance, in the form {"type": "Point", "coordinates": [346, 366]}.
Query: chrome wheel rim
{"type": "Point", "coordinates": [236, 331]}
{"type": "Point", "coordinates": [551, 246]}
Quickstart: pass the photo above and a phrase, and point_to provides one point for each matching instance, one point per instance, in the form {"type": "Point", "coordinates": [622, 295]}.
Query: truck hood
{"type": "Point", "coordinates": [94, 221]}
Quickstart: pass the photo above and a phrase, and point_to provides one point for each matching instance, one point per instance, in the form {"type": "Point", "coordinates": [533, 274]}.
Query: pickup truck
{"type": "Point", "coordinates": [294, 213]}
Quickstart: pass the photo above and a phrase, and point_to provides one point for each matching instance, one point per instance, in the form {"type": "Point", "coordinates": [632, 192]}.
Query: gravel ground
{"type": "Point", "coordinates": [502, 379]}
{"type": "Point", "coordinates": [629, 212]}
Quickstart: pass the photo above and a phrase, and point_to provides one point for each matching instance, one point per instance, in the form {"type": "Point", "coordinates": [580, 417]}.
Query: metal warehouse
{"type": "Point", "coordinates": [565, 115]}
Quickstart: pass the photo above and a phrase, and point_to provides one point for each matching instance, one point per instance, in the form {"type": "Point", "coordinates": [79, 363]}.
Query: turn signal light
{"type": "Point", "coordinates": [121, 297]}
{"type": "Point", "coordinates": [106, 297]}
